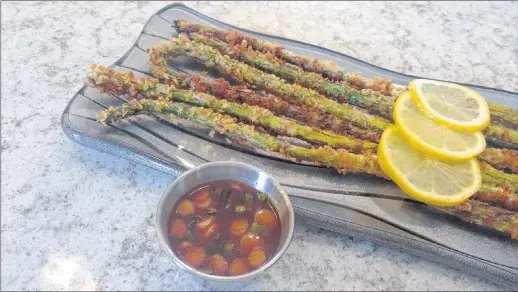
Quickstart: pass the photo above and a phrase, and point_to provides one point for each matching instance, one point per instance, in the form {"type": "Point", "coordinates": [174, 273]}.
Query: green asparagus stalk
{"type": "Point", "coordinates": [377, 86]}
{"type": "Point", "coordinates": [293, 93]}
{"type": "Point", "coordinates": [339, 159]}
{"type": "Point", "coordinates": [503, 114]}
{"type": "Point", "coordinates": [324, 155]}
{"type": "Point", "coordinates": [221, 88]}
{"type": "Point", "coordinates": [220, 123]}
{"type": "Point", "coordinates": [501, 136]}
{"type": "Point", "coordinates": [501, 196]}
{"type": "Point", "coordinates": [111, 82]}
{"type": "Point", "coordinates": [497, 177]}
{"type": "Point", "coordinates": [482, 214]}
{"type": "Point", "coordinates": [501, 158]}
{"type": "Point", "coordinates": [378, 105]}
{"type": "Point", "coordinates": [327, 68]}
{"type": "Point", "coordinates": [115, 82]}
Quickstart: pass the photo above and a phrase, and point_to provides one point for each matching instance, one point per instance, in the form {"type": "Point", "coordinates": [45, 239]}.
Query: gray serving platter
{"type": "Point", "coordinates": [356, 205]}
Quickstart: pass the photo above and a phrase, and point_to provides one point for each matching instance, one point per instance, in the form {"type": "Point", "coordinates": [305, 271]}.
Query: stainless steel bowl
{"type": "Point", "coordinates": [213, 171]}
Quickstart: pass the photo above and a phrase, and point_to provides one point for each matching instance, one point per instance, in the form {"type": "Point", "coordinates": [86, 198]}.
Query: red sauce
{"type": "Point", "coordinates": [224, 228]}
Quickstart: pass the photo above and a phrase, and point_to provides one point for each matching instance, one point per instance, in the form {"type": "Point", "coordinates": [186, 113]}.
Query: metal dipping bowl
{"type": "Point", "coordinates": [214, 171]}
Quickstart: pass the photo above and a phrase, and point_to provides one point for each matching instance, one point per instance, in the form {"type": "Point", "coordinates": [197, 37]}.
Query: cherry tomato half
{"type": "Point", "coordinates": [178, 228]}
{"type": "Point", "coordinates": [238, 227]}
{"type": "Point", "coordinates": [238, 266]}
{"type": "Point", "coordinates": [194, 256]}
{"type": "Point", "coordinates": [249, 241]}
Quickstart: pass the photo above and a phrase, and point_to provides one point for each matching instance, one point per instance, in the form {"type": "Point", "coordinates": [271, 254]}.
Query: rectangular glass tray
{"type": "Point", "coordinates": [352, 204]}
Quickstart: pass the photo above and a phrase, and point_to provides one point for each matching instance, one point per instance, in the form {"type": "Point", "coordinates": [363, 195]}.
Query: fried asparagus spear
{"type": "Point", "coordinates": [378, 105]}
{"type": "Point", "coordinates": [339, 159]}
{"type": "Point", "coordinates": [111, 82]}
{"type": "Point", "coordinates": [504, 114]}
{"type": "Point", "coordinates": [326, 68]}
{"type": "Point", "coordinates": [210, 57]}
{"type": "Point", "coordinates": [108, 80]}
{"type": "Point", "coordinates": [498, 134]}
{"type": "Point", "coordinates": [482, 214]}
{"type": "Point", "coordinates": [377, 86]}
{"type": "Point", "coordinates": [497, 177]}
{"type": "Point", "coordinates": [500, 158]}
{"type": "Point", "coordinates": [292, 93]}
{"type": "Point", "coordinates": [501, 196]}
{"type": "Point", "coordinates": [223, 89]}
{"type": "Point", "coordinates": [223, 124]}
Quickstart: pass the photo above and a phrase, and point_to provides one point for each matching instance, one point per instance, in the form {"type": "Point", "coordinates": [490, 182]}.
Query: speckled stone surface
{"type": "Point", "coordinates": [76, 219]}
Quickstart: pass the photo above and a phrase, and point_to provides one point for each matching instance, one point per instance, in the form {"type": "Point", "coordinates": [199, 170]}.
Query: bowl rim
{"type": "Point", "coordinates": [163, 240]}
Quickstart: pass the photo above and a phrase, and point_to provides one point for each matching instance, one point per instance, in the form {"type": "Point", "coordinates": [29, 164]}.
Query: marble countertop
{"type": "Point", "coordinates": [73, 218]}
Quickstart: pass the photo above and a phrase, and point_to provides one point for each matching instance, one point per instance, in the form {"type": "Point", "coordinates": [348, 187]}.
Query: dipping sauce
{"type": "Point", "coordinates": [224, 228]}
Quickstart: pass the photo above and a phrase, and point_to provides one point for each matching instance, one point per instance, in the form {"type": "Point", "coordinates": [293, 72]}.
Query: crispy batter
{"type": "Point", "coordinates": [151, 89]}
{"type": "Point", "coordinates": [500, 196]}
{"type": "Point", "coordinates": [340, 159]}
{"type": "Point", "coordinates": [504, 114]}
{"type": "Point", "coordinates": [377, 86]}
{"type": "Point", "coordinates": [292, 93]}
{"type": "Point", "coordinates": [222, 89]}
{"type": "Point", "coordinates": [502, 159]}
{"type": "Point", "coordinates": [482, 214]}
{"type": "Point", "coordinates": [497, 177]}
{"type": "Point", "coordinates": [267, 62]}
{"type": "Point", "coordinates": [499, 134]}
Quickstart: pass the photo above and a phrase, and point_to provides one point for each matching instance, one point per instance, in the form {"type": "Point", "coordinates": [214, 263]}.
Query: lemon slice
{"type": "Point", "coordinates": [424, 178]}
{"type": "Point", "coordinates": [455, 106]}
{"type": "Point", "coordinates": [432, 138]}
